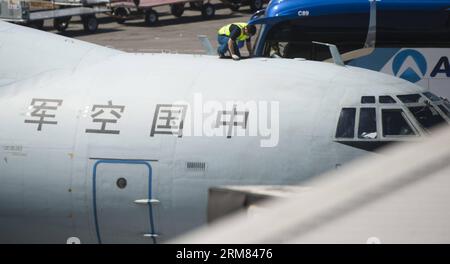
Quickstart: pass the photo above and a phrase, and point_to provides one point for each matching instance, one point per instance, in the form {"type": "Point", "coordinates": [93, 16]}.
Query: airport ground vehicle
{"type": "Point", "coordinates": [255, 5]}
{"type": "Point", "coordinates": [34, 13]}
{"type": "Point", "coordinates": [405, 38]}
{"type": "Point", "coordinates": [124, 9]}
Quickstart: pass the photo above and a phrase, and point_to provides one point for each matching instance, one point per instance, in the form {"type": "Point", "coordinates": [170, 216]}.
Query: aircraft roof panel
{"type": "Point", "coordinates": [290, 72]}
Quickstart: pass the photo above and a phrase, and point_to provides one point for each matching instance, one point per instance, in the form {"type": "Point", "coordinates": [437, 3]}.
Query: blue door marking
{"type": "Point", "coordinates": [94, 193]}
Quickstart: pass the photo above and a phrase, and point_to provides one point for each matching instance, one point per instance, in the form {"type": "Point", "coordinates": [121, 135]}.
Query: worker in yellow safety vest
{"type": "Point", "coordinates": [232, 37]}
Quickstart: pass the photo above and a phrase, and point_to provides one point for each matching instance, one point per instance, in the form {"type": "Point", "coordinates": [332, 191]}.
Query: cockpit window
{"type": "Point", "coordinates": [395, 124]}
{"type": "Point", "coordinates": [432, 96]}
{"type": "Point", "coordinates": [409, 98]}
{"type": "Point", "coordinates": [367, 99]}
{"type": "Point", "coordinates": [346, 125]}
{"type": "Point", "coordinates": [447, 104]}
{"type": "Point", "coordinates": [386, 99]}
{"type": "Point", "coordinates": [445, 110]}
{"type": "Point", "coordinates": [427, 116]}
{"type": "Point", "coordinates": [367, 128]}
{"type": "Point", "coordinates": [370, 125]}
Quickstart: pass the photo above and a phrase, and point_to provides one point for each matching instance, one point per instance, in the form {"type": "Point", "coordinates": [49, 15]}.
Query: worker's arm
{"type": "Point", "coordinates": [231, 46]}
{"type": "Point", "coordinates": [249, 46]}
{"type": "Point", "coordinates": [231, 49]}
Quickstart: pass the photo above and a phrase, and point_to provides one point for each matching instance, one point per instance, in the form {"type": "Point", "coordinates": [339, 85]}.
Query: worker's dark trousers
{"type": "Point", "coordinates": [223, 45]}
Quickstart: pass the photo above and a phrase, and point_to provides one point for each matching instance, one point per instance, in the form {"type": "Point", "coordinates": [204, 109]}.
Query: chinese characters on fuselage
{"type": "Point", "coordinates": [230, 119]}
{"type": "Point", "coordinates": [101, 112]}
{"type": "Point", "coordinates": [40, 108]}
{"type": "Point", "coordinates": [168, 119]}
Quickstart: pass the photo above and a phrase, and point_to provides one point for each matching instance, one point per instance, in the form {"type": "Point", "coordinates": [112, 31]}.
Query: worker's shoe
{"type": "Point", "coordinates": [221, 55]}
{"type": "Point", "coordinates": [235, 57]}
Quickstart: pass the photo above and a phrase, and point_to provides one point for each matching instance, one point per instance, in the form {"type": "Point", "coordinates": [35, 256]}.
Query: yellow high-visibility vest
{"type": "Point", "coordinates": [225, 30]}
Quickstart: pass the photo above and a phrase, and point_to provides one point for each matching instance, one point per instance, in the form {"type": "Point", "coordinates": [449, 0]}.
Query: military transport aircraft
{"type": "Point", "coordinates": [104, 146]}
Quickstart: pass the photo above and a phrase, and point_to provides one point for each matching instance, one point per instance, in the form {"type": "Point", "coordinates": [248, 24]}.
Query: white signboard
{"type": "Point", "coordinates": [428, 67]}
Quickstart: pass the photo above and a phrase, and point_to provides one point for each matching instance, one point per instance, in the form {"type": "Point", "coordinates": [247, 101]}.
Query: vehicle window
{"type": "Point", "coordinates": [445, 110]}
{"type": "Point", "coordinates": [296, 36]}
{"type": "Point", "coordinates": [432, 96]}
{"type": "Point", "coordinates": [346, 124]}
{"type": "Point", "coordinates": [395, 124]}
{"type": "Point", "coordinates": [427, 116]}
{"type": "Point", "coordinates": [293, 49]}
{"type": "Point", "coordinates": [367, 127]}
{"type": "Point", "coordinates": [278, 49]}
{"type": "Point", "coordinates": [409, 98]}
{"type": "Point", "coordinates": [386, 99]}
{"type": "Point", "coordinates": [368, 100]}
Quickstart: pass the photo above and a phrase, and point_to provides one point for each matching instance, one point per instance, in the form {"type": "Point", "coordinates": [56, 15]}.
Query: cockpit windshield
{"type": "Point", "coordinates": [427, 116]}
{"type": "Point", "coordinates": [346, 124]}
{"type": "Point", "coordinates": [367, 127]}
{"type": "Point", "coordinates": [395, 124]}
{"type": "Point", "coordinates": [447, 104]}
{"type": "Point", "coordinates": [384, 119]}
{"type": "Point", "coordinates": [444, 110]}
{"type": "Point", "coordinates": [442, 103]}
{"type": "Point", "coordinates": [432, 96]}
{"type": "Point", "coordinates": [429, 110]}
{"type": "Point", "coordinates": [409, 98]}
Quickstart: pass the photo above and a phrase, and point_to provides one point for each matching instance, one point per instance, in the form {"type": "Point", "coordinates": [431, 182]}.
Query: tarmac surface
{"type": "Point", "coordinates": [170, 35]}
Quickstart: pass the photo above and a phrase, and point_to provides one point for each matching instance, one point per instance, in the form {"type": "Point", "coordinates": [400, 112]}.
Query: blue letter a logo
{"type": "Point", "coordinates": [409, 73]}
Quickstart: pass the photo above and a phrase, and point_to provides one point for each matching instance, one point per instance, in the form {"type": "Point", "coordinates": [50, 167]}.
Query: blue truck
{"type": "Point", "coordinates": [406, 38]}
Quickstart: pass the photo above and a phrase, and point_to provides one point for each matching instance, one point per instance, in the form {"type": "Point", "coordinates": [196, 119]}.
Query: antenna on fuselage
{"type": "Point", "coordinates": [337, 59]}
